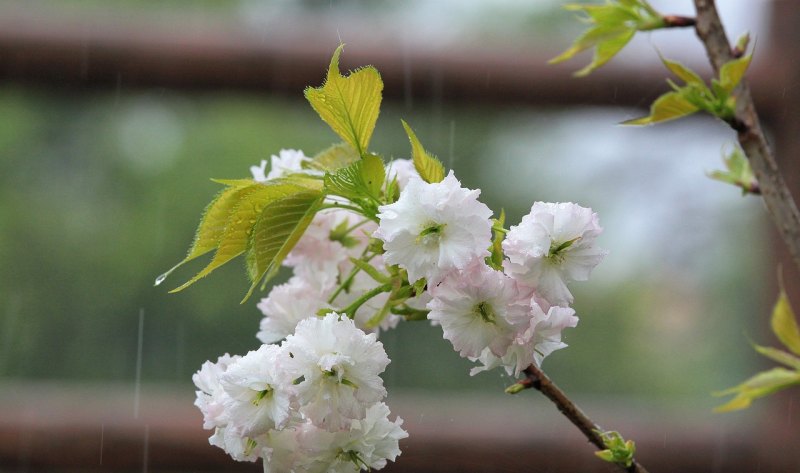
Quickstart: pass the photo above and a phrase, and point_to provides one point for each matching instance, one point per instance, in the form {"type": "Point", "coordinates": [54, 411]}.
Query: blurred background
{"type": "Point", "coordinates": [114, 115]}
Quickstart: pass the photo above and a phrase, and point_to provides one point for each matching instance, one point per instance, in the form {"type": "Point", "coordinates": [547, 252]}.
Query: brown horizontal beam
{"type": "Point", "coordinates": [124, 51]}
{"type": "Point", "coordinates": [47, 426]}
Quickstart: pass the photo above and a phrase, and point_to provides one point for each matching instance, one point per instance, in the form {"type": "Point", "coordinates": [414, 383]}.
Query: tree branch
{"type": "Point", "coordinates": [751, 138]}
{"type": "Point", "coordinates": [535, 378]}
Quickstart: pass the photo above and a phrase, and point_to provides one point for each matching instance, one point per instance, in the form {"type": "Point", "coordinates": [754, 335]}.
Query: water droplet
{"type": "Point", "coordinates": [161, 278]}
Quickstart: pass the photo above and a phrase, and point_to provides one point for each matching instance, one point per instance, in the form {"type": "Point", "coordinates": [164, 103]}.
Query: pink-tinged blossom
{"type": "Point", "coordinates": [474, 308]}
{"type": "Point", "coordinates": [554, 244]}
{"type": "Point", "coordinates": [339, 366]}
{"type": "Point", "coordinates": [288, 161]}
{"type": "Point", "coordinates": [537, 337]}
{"type": "Point", "coordinates": [210, 395]}
{"type": "Point", "coordinates": [258, 390]}
{"type": "Point", "coordinates": [324, 250]}
{"type": "Point", "coordinates": [434, 228]}
{"type": "Point", "coordinates": [286, 305]}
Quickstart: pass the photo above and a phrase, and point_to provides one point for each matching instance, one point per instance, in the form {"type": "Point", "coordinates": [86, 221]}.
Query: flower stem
{"type": "Point", "coordinates": [352, 308]}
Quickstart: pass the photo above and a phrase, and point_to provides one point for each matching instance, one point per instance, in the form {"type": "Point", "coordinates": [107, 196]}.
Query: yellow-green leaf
{"type": "Point", "coordinates": [278, 229]}
{"type": "Point", "coordinates": [606, 50]}
{"type": "Point", "coordinates": [241, 219]}
{"type": "Point", "coordinates": [684, 73]}
{"type": "Point", "coordinates": [780, 356]}
{"type": "Point", "coordinates": [784, 324]}
{"type": "Point", "coordinates": [333, 158]}
{"type": "Point", "coordinates": [760, 385]}
{"type": "Point", "coordinates": [349, 104]}
{"type": "Point", "coordinates": [429, 168]}
{"type": "Point", "coordinates": [588, 39]}
{"type": "Point", "coordinates": [732, 72]}
{"type": "Point", "coordinates": [360, 180]}
{"type": "Point", "coordinates": [212, 226]}
{"type": "Point", "coordinates": [669, 106]}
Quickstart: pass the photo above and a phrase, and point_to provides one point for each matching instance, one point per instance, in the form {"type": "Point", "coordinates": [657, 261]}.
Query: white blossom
{"type": "Point", "coordinates": [554, 244]}
{"type": "Point", "coordinates": [474, 308]}
{"type": "Point", "coordinates": [434, 228]}
{"type": "Point", "coordinates": [368, 443]}
{"type": "Point", "coordinates": [258, 391]}
{"type": "Point", "coordinates": [286, 305]}
{"type": "Point", "coordinates": [339, 366]}
{"type": "Point", "coordinates": [288, 161]}
{"type": "Point", "coordinates": [403, 170]}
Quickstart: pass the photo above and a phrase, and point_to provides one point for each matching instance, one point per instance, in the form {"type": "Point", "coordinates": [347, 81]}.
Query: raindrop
{"type": "Point", "coordinates": [161, 278]}
{"type": "Point", "coordinates": [102, 438]}
{"type": "Point", "coordinates": [138, 384]}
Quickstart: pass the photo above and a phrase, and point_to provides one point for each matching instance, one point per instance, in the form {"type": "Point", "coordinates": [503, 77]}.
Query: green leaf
{"type": "Point", "coordinates": [429, 168]}
{"type": "Point", "coordinates": [732, 72]}
{"type": "Point", "coordinates": [669, 106]}
{"type": "Point", "coordinates": [617, 450]}
{"type": "Point", "coordinates": [784, 324]}
{"type": "Point", "coordinates": [241, 219]}
{"type": "Point", "coordinates": [684, 73]}
{"type": "Point", "coordinates": [212, 226]}
{"type": "Point", "coordinates": [739, 173]}
{"type": "Point", "coordinates": [349, 104]}
{"type": "Point", "coordinates": [360, 180]}
{"type": "Point", "coordinates": [278, 229]}
{"type": "Point", "coordinates": [613, 24]}
{"type": "Point", "coordinates": [333, 158]}
{"type": "Point", "coordinates": [606, 50]}
{"type": "Point", "coordinates": [760, 385]}
{"type": "Point", "coordinates": [779, 355]}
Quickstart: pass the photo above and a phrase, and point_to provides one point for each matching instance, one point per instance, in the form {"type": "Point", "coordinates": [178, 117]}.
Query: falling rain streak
{"type": "Point", "coordinates": [138, 383]}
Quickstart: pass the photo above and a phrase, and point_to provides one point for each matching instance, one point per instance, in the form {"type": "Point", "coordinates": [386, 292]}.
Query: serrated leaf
{"type": "Point", "coordinates": [279, 227]}
{"type": "Point", "coordinates": [241, 219]}
{"type": "Point", "coordinates": [784, 324]}
{"type": "Point", "coordinates": [669, 106]}
{"type": "Point", "coordinates": [606, 50]}
{"type": "Point", "coordinates": [684, 73]}
{"type": "Point", "coordinates": [211, 227]}
{"type": "Point", "coordinates": [349, 104]}
{"type": "Point", "coordinates": [760, 385]}
{"type": "Point", "coordinates": [360, 180]}
{"type": "Point", "coordinates": [428, 167]}
{"type": "Point", "coordinates": [333, 158]}
{"type": "Point", "coordinates": [732, 72]}
{"type": "Point", "coordinates": [780, 356]}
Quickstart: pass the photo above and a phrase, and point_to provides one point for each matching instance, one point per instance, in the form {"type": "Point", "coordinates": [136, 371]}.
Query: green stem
{"type": "Point", "coordinates": [349, 279]}
{"type": "Point", "coordinates": [350, 310]}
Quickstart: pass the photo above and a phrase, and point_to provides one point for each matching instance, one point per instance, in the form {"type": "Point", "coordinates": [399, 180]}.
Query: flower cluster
{"type": "Point", "coordinates": [310, 404]}
{"type": "Point", "coordinates": [310, 398]}
{"type": "Point", "coordinates": [510, 315]}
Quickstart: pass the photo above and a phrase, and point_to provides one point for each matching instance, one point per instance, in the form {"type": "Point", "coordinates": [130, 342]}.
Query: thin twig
{"type": "Point", "coordinates": [535, 378]}
{"type": "Point", "coordinates": [776, 193]}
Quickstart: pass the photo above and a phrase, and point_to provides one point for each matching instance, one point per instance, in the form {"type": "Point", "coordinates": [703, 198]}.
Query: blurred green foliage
{"type": "Point", "coordinates": [101, 192]}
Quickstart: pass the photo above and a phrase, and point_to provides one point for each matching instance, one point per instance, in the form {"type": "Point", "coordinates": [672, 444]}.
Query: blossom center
{"type": "Point", "coordinates": [485, 311]}
{"type": "Point", "coordinates": [431, 233]}
{"type": "Point", "coordinates": [261, 395]}
{"type": "Point", "coordinates": [556, 252]}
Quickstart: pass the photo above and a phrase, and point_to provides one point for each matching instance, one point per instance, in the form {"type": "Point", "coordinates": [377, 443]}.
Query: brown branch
{"type": "Point", "coordinates": [535, 378]}
{"type": "Point", "coordinates": [751, 138]}
{"type": "Point", "coordinates": [674, 21]}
